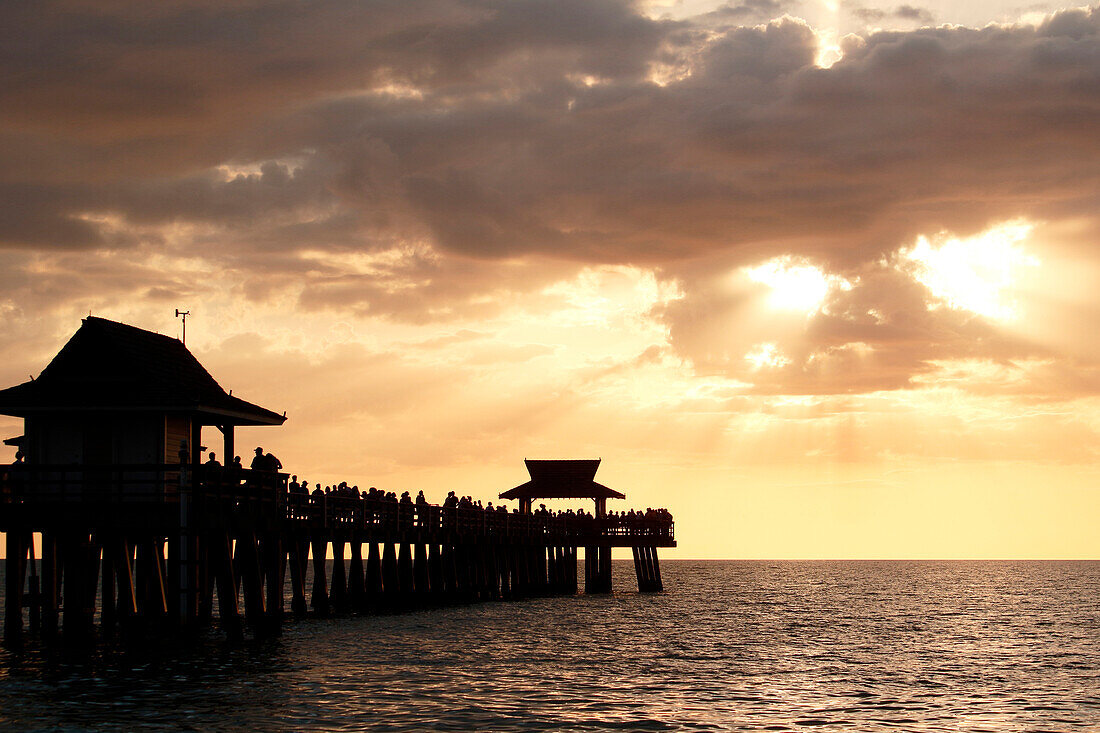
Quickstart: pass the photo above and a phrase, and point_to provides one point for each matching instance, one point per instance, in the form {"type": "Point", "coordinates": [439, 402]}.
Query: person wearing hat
{"type": "Point", "coordinates": [259, 463]}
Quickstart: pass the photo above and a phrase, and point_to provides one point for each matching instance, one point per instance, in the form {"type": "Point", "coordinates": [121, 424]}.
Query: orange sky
{"type": "Point", "coordinates": [820, 278]}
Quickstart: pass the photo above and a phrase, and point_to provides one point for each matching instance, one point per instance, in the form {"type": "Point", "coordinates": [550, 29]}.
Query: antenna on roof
{"type": "Point", "coordinates": [183, 315]}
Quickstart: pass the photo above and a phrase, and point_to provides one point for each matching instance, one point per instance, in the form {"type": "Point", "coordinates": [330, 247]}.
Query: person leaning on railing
{"type": "Point", "coordinates": [9, 479]}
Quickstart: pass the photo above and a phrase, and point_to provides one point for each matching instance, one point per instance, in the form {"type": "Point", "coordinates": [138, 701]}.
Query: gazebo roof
{"type": "Point", "coordinates": [562, 479]}
{"type": "Point", "coordinates": [108, 366]}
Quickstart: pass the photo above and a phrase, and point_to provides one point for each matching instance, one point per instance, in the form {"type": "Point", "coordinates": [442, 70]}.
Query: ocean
{"type": "Point", "coordinates": [739, 646]}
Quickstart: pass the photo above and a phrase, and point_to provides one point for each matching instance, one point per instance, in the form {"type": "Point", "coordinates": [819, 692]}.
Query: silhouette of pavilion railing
{"type": "Point", "coordinates": [237, 527]}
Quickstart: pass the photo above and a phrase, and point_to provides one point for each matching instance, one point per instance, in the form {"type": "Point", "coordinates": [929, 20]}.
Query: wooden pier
{"type": "Point", "coordinates": [152, 548]}
{"type": "Point", "coordinates": [131, 523]}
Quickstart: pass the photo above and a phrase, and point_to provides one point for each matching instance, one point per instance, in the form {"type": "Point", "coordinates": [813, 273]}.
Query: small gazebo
{"type": "Point", "coordinates": [562, 479]}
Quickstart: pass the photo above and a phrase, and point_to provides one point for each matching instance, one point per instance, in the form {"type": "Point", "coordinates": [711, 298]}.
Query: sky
{"type": "Point", "coordinates": [819, 277]}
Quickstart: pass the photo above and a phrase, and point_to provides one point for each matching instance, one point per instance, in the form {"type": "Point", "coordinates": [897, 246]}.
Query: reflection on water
{"type": "Point", "coordinates": [909, 646]}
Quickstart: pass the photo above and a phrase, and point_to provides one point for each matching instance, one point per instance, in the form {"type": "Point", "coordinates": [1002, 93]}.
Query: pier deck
{"type": "Point", "coordinates": [155, 544]}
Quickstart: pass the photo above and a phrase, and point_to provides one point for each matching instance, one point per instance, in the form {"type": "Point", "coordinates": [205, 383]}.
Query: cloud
{"type": "Point", "coordinates": [448, 162]}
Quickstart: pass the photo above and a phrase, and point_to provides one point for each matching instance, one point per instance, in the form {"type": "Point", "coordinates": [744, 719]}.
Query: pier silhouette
{"type": "Point", "coordinates": [110, 476]}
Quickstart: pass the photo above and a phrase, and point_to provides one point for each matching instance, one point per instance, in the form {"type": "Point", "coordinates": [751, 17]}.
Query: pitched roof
{"type": "Point", "coordinates": [113, 366]}
{"type": "Point", "coordinates": [562, 479]}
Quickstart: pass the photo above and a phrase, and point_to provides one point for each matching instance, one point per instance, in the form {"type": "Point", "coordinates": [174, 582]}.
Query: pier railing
{"type": "Point", "coordinates": [156, 489]}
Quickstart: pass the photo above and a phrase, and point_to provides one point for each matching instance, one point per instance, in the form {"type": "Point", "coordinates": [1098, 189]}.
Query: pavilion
{"type": "Point", "coordinates": [562, 479]}
{"type": "Point", "coordinates": [116, 394]}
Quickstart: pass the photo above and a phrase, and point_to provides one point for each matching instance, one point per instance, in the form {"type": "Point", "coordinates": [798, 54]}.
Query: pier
{"type": "Point", "coordinates": [134, 528]}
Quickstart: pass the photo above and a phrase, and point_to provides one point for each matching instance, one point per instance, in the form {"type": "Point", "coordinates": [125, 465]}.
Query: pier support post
{"type": "Point", "coordinates": [374, 573]}
{"type": "Point", "coordinates": [405, 570]}
{"type": "Point", "coordinates": [319, 597]}
{"type": "Point", "coordinates": [298, 554]}
{"type": "Point", "coordinates": [537, 560]}
{"type": "Point", "coordinates": [573, 572]}
{"type": "Point", "coordinates": [15, 579]}
{"type": "Point", "coordinates": [338, 595]}
{"type": "Point", "coordinates": [648, 569]}
{"type": "Point", "coordinates": [221, 558]}
{"type": "Point", "coordinates": [597, 570]}
{"type": "Point", "coordinates": [435, 570]}
{"type": "Point", "coordinates": [108, 605]}
{"type": "Point", "coordinates": [150, 562]}
{"type": "Point", "coordinates": [248, 560]}
{"type": "Point", "coordinates": [356, 578]}
{"type": "Point", "coordinates": [51, 579]}
{"type": "Point", "coordinates": [391, 588]}
{"type": "Point", "coordinates": [504, 573]}
{"type": "Point", "coordinates": [275, 572]}
{"type": "Point", "coordinates": [124, 575]}
{"type": "Point", "coordinates": [80, 586]}
{"type": "Point", "coordinates": [421, 583]}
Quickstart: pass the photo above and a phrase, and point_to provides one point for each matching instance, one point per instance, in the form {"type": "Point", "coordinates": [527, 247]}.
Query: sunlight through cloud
{"type": "Point", "coordinates": [973, 273]}
{"type": "Point", "coordinates": [795, 284]}
{"type": "Point", "coordinates": [766, 355]}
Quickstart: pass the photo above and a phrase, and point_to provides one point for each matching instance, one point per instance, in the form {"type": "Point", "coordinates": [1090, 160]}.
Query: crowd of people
{"type": "Point", "coordinates": [265, 466]}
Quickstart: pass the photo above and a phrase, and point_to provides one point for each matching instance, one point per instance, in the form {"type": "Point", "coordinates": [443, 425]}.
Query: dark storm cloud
{"type": "Point", "coordinates": [557, 132]}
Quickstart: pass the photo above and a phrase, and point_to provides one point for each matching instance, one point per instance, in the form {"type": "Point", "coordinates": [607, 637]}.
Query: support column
{"type": "Point", "coordinates": [356, 577]}
{"type": "Point", "coordinates": [51, 579]}
{"type": "Point", "coordinates": [421, 583]}
{"type": "Point", "coordinates": [79, 591]}
{"type": "Point", "coordinates": [108, 606]}
{"type": "Point", "coordinates": [275, 573]}
{"type": "Point", "coordinates": [656, 564]}
{"type": "Point", "coordinates": [15, 578]}
{"type": "Point", "coordinates": [597, 570]}
{"type": "Point", "coordinates": [338, 595]}
{"type": "Point", "coordinates": [405, 570]}
{"type": "Point", "coordinates": [391, 587]}
{"type": "Point", "coordinates": [374, 573]}
{"type": "Point", "coordinates": [221, 559]}
{"type": "Point", "coordinates": [319, 597]}
{"type": "Point", "coordinates": [248, 560]}
{"type": "Point", "coordinates": [435, 570]}
{"type": "Point", "coordinates": [298, 553]}
{"type": "Point", "coordinates": [124, 574]}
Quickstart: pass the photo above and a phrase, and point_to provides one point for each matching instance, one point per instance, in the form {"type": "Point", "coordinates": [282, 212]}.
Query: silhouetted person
{"type": "Point", "coordinates": [273, 463]}
{"type": "Point", "coordinates": [259, 463]}
{"type": "Point", "coordinates": [212, 470]}
{"type": "Point", "coordinates": [293, 487]}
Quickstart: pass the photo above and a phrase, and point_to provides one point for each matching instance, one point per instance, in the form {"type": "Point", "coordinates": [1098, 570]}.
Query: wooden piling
{"type": "Point", "coordinates": [297, 562]}
{"type": "Point", "coordinates": [14, 569]}
{"type": "Point", "coordinates": [391, 585]}
{"type": "Point", "coordinates": [435, 570]}
{"type": "Point", "coordinates": [405, 571]}
{"type": "Point", "coordinates": [319, 597]}
{"type": "Point", "coordinates": [374, 573]}
{"type": "Point", "coordinates": [50, 592]}
{"type": "Point", "coordinates": [421, 583]}
{"type": "Point", "coordinates": [338, 593]}
{"type": "Point", "coordinates": [221, 558]}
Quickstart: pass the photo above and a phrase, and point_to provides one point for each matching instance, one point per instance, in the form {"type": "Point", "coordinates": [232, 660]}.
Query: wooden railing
{"type": "Point", "coordinates": [243, 490]}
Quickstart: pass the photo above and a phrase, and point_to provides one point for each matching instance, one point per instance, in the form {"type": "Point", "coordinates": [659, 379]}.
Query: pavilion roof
{"type": "Point", "coordinates": [562, 479]}
{"type": "Point", "coordinates": [110, 366]}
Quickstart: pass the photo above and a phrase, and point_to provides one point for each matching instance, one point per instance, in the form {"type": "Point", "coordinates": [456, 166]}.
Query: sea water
{"type": "Point", "coordinates": [867, 646]}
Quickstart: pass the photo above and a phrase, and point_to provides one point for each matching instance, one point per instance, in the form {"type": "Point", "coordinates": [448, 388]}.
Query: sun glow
{"type": "Point", "coordinates": [766, 355]}
{"type": "Point", "coordinates": [795, 284]}
{"type": "Point", "coordinates": [973, 273]}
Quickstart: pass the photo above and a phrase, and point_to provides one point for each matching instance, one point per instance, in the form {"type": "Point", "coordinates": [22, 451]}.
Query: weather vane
{"type": "Point", "coordinates": [183, 315]}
